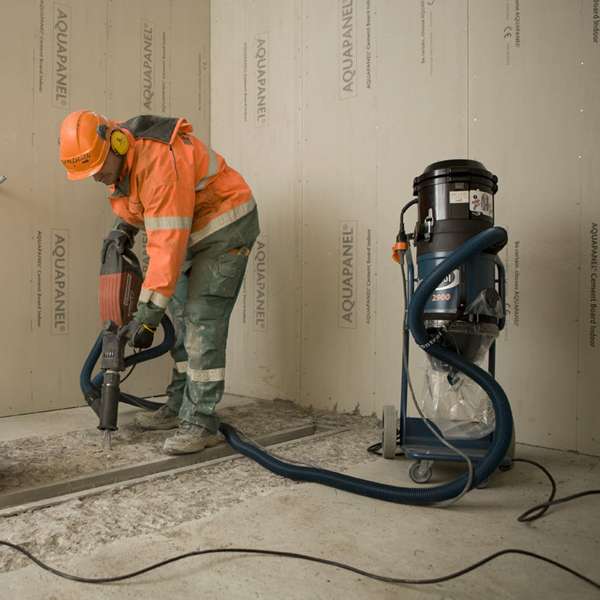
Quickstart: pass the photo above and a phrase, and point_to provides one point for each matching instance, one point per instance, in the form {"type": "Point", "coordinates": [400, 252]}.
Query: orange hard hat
{"type": "Point", "coordinates": [84, 143]}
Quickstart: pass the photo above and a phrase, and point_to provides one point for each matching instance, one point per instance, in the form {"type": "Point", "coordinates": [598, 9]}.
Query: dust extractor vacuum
{"type": "Point", "coordinates": [454, 314]}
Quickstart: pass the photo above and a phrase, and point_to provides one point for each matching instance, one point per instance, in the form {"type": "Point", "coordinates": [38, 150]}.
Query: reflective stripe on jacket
{"type": "Point", "coordinates": [179, 190]}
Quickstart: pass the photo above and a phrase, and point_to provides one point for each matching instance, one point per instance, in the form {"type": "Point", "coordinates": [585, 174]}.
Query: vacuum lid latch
{"type": "Point", "coordinates": [429, 223]}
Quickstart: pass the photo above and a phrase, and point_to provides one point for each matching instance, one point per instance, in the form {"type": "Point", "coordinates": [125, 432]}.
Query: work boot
{"type": "Point", "coordinates": [190, 438]}
{"type": "Point", "coordinates": [163, 418]}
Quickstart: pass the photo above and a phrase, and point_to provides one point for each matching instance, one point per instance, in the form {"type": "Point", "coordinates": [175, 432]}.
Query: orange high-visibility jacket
{"type": "Point", "coordinates": [179, 190]}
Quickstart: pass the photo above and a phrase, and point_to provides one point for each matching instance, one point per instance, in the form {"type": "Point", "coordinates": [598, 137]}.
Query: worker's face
{"type": "Point", "coordinates": [109, 173]}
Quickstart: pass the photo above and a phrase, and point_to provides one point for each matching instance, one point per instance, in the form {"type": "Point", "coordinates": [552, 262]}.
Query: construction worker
{"type": "Point", "coordinates": [201, 221]}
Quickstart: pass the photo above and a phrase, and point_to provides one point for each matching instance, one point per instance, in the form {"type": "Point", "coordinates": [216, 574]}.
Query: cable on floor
{"type": "Point", "coordinates": [539, 510]}
{"type": "Point", "coordinates": [304, 557]}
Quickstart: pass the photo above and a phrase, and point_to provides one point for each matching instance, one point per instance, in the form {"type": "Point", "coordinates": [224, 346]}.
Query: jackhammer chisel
{"type": "Point", "coordinates": [112, 364]}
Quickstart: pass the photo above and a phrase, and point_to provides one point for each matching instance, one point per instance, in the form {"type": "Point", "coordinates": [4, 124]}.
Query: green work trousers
{"type": "Point", "coordinates": [200, 309]}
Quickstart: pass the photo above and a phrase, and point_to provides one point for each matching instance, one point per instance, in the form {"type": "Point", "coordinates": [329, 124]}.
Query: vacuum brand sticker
{"type": "Point", "coordinates": [61, 82]}
{"type": "Point", "coordinates": [459, 197]}
{"type": "Point", "coordinates": [451, 280]}
{"type": "Point", "coordinates": [60, 281]}
{"type": "Point", "coordinates": [481, 203]}
{"type": "Point", "coordinates": [347, 275]}
{"type": "Point", "coordinates": [260, 284]}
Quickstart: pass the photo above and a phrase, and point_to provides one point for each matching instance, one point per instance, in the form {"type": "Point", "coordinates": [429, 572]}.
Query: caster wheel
{"type": "Point", "coordinates": [483, 484]}
{"type": "Point", "coordinates": [390, 431]}
{"type": "Point", "coordinates": [420, 472]}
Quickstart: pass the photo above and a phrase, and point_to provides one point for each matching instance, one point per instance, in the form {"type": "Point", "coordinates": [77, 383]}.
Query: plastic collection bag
{"type": "Point", "coordinates": [454, 402]}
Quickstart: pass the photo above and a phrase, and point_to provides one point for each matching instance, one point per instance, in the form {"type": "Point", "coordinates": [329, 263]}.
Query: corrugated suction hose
{"type": "Point", "coordinates": [487, 240]}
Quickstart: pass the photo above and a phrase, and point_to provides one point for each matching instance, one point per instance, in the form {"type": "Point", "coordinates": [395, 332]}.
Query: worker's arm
{"type": "Point", "coordinates": [120, 206]}
{"type": "Point", "coordinates": [167, 194]}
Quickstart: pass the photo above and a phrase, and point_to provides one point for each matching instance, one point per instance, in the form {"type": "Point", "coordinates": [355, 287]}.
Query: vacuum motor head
{"type": "Point", "coordinates": [456, 202]}
{"type": "Point", "coordinates": [120, 284]}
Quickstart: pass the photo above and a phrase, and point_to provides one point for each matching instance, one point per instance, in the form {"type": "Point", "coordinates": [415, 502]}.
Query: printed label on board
{"type": "Point", "coordinates": [245, 82]}
{"type": "Point", "coordinates": [451, 280]}
{"type": "Point", "coordinates": [593, 293]}
{"type": "Point", "coordinates": [61, 37]}
{"type": "Point", "coordinates": [37, 279]}
{"type": "Point", "coordinates": [370, 276]}
{"type": "Point", "coordinates": [260, 283]}
{"type": "Point", "coordinates": [515, 307]}
{"type": "Point", "coordinates": [203, 79]}
{"type": "Point", "coordinates": [347, 48]}
{"type": "Point", "coordinates": [481, 203]}
{"type": "Point", "coordinates": [261, 56]}
{"type": "Point", "coordinates": [244, 295]}
{"type": "Point", "coordinates": [426, 31]}
{"type": "Point", "coordinates": [147, 63]}
{"type": "Point", "coordinates": [347, 274]}
{"type": "Point", "coordinates": [512, 28]}
{"type": "Point", "coordinates": [165, 87]}
{"type": "Point", "coordinates": [60, 280]}
{"type": "Point", "coordinates": [154, 62]}
{"type": "Point", "coordinates": [459, 197]}
{"type": "Point", "coordinates": [370, 50]}
{"type": "Point", "coordinates": [41, 50]}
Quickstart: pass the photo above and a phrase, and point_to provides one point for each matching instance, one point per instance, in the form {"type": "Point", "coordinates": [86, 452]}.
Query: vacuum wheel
{"type": "Point", "coordinates": [421, 471]}
{"type": "Point", "coordinates": [390, 431]}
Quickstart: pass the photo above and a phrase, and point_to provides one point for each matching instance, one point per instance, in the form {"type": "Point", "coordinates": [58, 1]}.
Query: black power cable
{"type": "Point", "coordinates": [131, 369]}
{"type": "Point", "coordinates": [537, 511]}
{"type": "Point", "coordinates": [305, 557]}
{"type": "Point", "coordinates": [377, 446]}
{"type": "Point", "coordinates": [529, 515]}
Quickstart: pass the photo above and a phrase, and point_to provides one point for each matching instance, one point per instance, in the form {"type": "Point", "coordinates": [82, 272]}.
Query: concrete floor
{"type": "Point", "coordinates": [49, 450]}
{"type": "Point", "coordinates": [76, 419]}
{"type": "Point", "coordinates": [242, 505]}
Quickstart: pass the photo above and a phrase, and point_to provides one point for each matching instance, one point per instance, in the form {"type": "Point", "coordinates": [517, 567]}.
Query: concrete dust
{"type": "Point", "coordinates": [79, 526]}
{"type": "Point", "coordinates": [32, 461]}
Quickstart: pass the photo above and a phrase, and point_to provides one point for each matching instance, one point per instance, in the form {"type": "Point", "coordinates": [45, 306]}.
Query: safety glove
{"type": "Point", "coordinates": [140, 330]}
{"type": "Point", "coordinates": [139, 335]}
{"type": "Point", "coordinates": [122, 237]}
